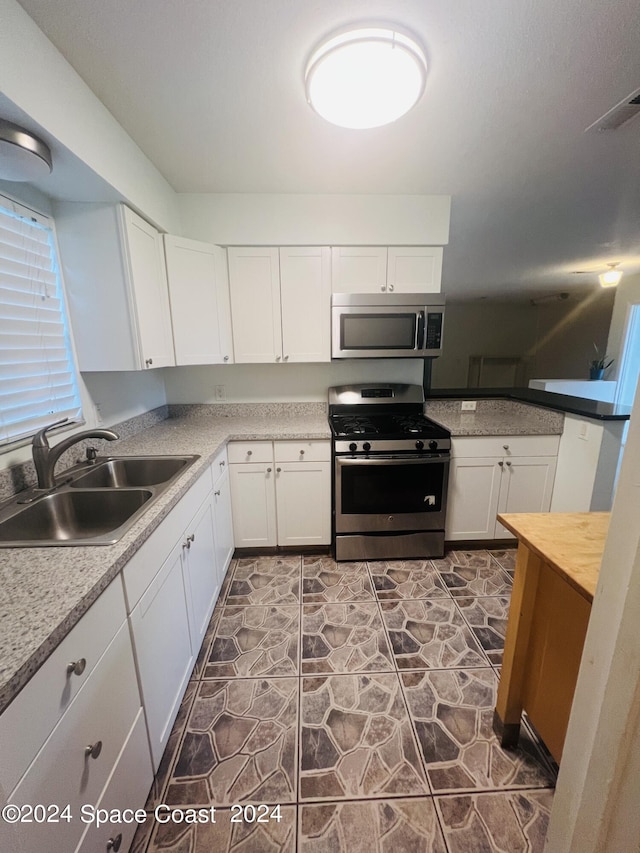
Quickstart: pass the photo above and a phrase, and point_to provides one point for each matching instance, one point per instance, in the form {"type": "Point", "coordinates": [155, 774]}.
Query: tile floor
{"type": "Point", "coordinates": [359, 698]}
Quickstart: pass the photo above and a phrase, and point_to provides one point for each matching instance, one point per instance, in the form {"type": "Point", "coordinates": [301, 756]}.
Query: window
{"type": "Point", "coordinates": [38, 382]}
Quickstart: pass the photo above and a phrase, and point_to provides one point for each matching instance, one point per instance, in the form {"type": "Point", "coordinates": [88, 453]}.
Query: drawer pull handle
{"type": "Point", "coordinates": [188, 541]}
{"type": "Point", "coordinates": [76, 667]}
{"type": "Point", "coordinates": [148, 362]}
{"type": "Point", "coordinates": [302, 453]}
{"type": "Point", "coordinates": [278, 470]}
{"type": "Point", "coordinates": [509, 464]}
{"type": "Point", "coordinates": [501, 463]}
{"type": "Point", "coordinates": [114, 843]}
{"type": "Point", "coordinates": [217, 493]}
{"type": "Point", "coordinates": [223, 463]}
{"type": "Point", "coordinates": [226, 358]}
{"type": "Point", "coordinates": [268, 470]}
{"type": "Point", "coordinates": [93, 750]}
{"type": "Point", "coordinates": [505, 446]}
{"type": "Point", "coordinates": [249, 452]}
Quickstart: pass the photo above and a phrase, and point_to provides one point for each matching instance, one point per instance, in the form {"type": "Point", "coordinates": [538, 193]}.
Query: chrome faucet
{"type": "Point", "coordinates": [45, 457]}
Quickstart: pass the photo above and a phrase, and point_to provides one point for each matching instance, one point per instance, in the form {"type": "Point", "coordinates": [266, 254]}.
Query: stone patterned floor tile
{"type": "Point", "coordinates": [356, 740]}
{"type": "Point", "coordinates": [171, 750]}
{"type": "Point", "coordinates": [506, 558]}
{"type": "Point", "coordinates": [266, 580]}
{"type": "Point", "coordinates": [203, 654]}
{"type": "Point", "coordinates": [143, 835]}
{"type": "Point", "coordinates": [341, 638]}
{"type": "Point", "coordinates": [255, 641]}
{"type": "Point", "coordinates": [223, 836]}
{"type": "Point", "coordinates": [488, 620]}
{"type": "Point", "coordinates": [452, 712]}
{"type": "Point", "coordinates": [496, 823]}
{"type": "Point", "coordinates": [239, 745]}
{"type": "Point", "coordinates": [473, 573]}
{"type": "Point", "coordinates": [430, 633]}
{"type": "Point", "coordinates": [380, 826]}
{"type": "Point", "coordinates": [400, 579]}
{"type": "Point", "coordinates": [324, 580]}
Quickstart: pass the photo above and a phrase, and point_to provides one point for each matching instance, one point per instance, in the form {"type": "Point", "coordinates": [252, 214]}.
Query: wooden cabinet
{"type": "Point", "coordinates": [497, 474]}
{"type": "Point", "coordinates": [115, 276]}
{"type": "Point", "coordinates": [281, 493]}
{"type": "Point", "coordinates": [280, 301]}
{"type": "Point", "coordinates": [87, 727]}
{"type": "Point", "coordinates": [375, 269]}
{"type": "Point", "coordinates": [200, 308]}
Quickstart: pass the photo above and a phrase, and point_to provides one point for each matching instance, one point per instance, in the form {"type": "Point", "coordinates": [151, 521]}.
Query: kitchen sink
{"type": "Point", "coordinates": [126, 472]}
{"type": "Point", "coordinates": [92, 504]}
{"type": "Point", "coordinates": [73, 517]}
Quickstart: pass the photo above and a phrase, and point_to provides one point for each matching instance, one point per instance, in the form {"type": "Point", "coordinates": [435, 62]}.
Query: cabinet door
{"type": "Point", "coordinates": [474, 488]}
{"type": "Point", "coordinates": [303, 503]}
{"type": "Point", "coordinates": [223, 524]}
{"type": "Point", "coordinates": [358, 269]}
{"type": "Point", "coordinates": [305, 291]}
{"type": "Point", "coordinates": [527, 485]}
{"type": "Point", "coordinates": [200, 308]}
{"type": "Point", "coordinates": [147, 273]}
{"type": "Point", "coordinates": [163, 650]}
{"type": "Point", "coordinates": [414, 269]}
{"type": "Point", "coordinates": [199, 552]}
{"type": "Point", "coordinates": [254, 284]}
{"type": "Point", "coordinates": [253, 505]}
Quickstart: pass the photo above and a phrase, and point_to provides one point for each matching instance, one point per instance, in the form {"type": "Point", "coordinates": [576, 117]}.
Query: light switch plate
{"type": "Point", "coordinates": [220, 392]}
{"type": "Point", "coordinates": [468, 405]}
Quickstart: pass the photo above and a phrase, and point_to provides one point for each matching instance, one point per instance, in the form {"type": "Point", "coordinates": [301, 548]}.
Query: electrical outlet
{"type": "Point", "coordinates": [99, 418]}
{"type": "Point", "coordinates": [468, 405]}
{"type": "Point", "coordinates": [220, 392]}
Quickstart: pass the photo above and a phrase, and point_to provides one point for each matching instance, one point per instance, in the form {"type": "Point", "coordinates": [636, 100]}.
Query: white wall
{"type": "Point", "coordinates": [315, 220]}
{"type": "Point", "coordinates": [119, 396]}
{"type": "Point", "coordinates": [282, 382]}
{"type": "Point", "coordinates": [627, 293]}
{"type": "Point", "coordinates": [39, 81]}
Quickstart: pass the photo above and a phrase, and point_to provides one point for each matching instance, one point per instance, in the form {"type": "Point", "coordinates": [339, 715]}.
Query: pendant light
{"type": "Point", "coordinates": [23, 157]}
{"type": "Point", "coordinates": [366, 77]}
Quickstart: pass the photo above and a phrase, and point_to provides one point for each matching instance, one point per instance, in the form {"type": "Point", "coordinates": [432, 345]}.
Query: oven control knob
{"type": "Point", "coordinates": [419, 445]}
{"type": "Point", "coordinates": [433, 445]}
{"type": "Point", "coordinates": [366, 447]}
{"type": "Point", "coordinates": [353, 447]}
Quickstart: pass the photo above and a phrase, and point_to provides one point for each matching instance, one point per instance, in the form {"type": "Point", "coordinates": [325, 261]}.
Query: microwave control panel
{"type": "Point", "coordinates": [433, 338]}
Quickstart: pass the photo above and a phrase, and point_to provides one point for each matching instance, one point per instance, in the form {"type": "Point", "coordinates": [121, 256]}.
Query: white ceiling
{"type": "Point", "coordinates": [213, 93]}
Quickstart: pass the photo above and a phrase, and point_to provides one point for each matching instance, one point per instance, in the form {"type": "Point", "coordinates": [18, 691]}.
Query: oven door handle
{"type": "Point", "coordinates": [420, 331]}
{"type": "Point", "coordinates": [384, 460]}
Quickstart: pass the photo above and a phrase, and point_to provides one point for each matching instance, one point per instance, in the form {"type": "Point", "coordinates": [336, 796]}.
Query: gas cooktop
{"type": "Point", "coordinates": [385, 426]}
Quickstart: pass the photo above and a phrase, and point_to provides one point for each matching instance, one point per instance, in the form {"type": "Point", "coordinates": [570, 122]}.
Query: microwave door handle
{"type": "Point", "coordinates": [420, 331]}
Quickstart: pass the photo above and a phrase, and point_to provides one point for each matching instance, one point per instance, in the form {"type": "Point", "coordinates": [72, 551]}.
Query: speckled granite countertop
{"type": "Point", "coordinates": [45, 591]}
{"type": "Point", "coordinates": [495, 417]}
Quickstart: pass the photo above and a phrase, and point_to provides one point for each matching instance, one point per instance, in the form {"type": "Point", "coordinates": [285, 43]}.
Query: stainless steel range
{"type": "Point", "coordinates": [391, 469]}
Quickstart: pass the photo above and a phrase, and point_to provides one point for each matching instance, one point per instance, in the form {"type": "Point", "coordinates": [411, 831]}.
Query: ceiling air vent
{"type": "Point", "coordinates": [620, 114]}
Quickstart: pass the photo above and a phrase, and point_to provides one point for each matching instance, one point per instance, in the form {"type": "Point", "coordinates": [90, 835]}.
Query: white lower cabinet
{"type": "Point", "coordinates": [222, 519]}
{"type": "Point", "coordinates": [491, 475]}
{"type": "Point", "coordinates": [280, 493]}
{"type": "Point", "coordinates": [200, 572]}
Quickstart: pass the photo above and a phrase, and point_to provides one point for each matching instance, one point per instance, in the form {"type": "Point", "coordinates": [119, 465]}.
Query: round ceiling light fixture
{"type": "Point", "coordinates": [612, 277]}
{"type": "Point", "coordinates": [366, 77]}
{"type": "Point", "coordinates": [23, 157]}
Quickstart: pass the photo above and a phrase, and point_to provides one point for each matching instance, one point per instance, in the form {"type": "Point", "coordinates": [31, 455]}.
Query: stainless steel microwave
{"type": "Point", "coordinates": [390, 325]}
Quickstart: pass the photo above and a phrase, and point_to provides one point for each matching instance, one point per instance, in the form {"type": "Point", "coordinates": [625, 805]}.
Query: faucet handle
{"type": "Point", "coordinates": [40, 438]}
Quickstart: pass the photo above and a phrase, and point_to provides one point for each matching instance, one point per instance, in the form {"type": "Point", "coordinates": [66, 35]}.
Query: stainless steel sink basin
{"type": "Point", "coordinates": [92, 504]}
{"type": "Point", "coordinates": [73, 516]}
{"type": "Point", "coordinates": [135, 471]}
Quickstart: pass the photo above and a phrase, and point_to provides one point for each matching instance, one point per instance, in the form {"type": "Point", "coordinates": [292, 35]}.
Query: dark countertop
{"type": "Point", "coordinates": [547, 399]}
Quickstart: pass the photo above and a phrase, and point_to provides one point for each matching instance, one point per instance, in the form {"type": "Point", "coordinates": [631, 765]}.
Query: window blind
{"type": "Point", "coordinates": [38, 383]}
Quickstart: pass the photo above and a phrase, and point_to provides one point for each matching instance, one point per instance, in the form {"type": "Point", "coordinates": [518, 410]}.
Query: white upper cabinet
{"type": "Point", "coordinates": [200, 307]}
{"type": "Point", "coordinates": [414, 269]}
{"type": "Point", "coordinates": [378, 269]}
{"type": "Point", "coordinates": [280, 304]}
{"type": "Point", "coordinates": [116, 281]}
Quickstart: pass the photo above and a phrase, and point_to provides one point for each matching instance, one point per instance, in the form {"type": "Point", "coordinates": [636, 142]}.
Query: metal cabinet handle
{"type": "Point", "coordinates": [217, 493]}
{"type": "Point", "coordinates": [249, 452]}
{"type": "Point", "coordinates": [76, 667]}
{"type": "Point", "coordinates": [114, 843]}
{"type": "Point", "coordinates": [505, 446]}
{"type": "Point", "coordinates": [302, 453]}
{"type": "Point", "coordinates": [226, 358]}
{"type": "Point", "coordinates": [268, 470]}
{"type": "Point", "coordinates": [277, 358]}
{"type": "Point", "coordinates": [148, 362]}
{"type": "Point", "coordinates": [223, 463]}
{"type": "Point", "coordinates": [509, 464]}
{"type": "Point", "coordinates": [392, 287]}
{"type": "Point", "coordinates": [286, 358]}
{"type": "Point", "coordinates": [383, 287]}
{"type": "Point", "coordinates": [278, 470]}
{"type": "Point", "coordinates": [501, 463]}
{"type": "Point", "coordinates": [93, 750]}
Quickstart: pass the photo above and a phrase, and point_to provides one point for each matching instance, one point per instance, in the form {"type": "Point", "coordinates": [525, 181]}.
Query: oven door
{"type": "Point", "coordinates": [390, 493]}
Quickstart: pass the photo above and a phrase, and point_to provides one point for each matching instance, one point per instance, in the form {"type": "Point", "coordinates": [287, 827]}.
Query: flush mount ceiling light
{"type": "Point", "coordinates": [366, 77]}
{"type": "Point", "coordinates": [23, 157]}
{"type": "Point", "coordinates": [611, 277]}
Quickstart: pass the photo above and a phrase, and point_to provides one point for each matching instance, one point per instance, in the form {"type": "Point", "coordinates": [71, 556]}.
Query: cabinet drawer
{"type": "Point", "coordinates": [219, 465]}
{"type": "Point", "coordinates": [302, 451]}
{"type": "Point", "coordinates": [143, 566]}
{"type": "Point", "coordinates": [250, 451]}
{"type": "Point", "coordinates": [62, 773]}
{"type": "Point", "coordinates": [50, 692]}
{"type": "Point", "coordinates": [127, 788]}
{"type": "Point", "coordinates": [505, 445]}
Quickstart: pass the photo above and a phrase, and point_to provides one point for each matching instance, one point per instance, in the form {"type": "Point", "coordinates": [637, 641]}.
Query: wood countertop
{"type": "Point", "coordinates": [572, 543]}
